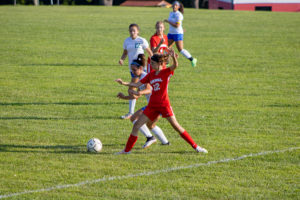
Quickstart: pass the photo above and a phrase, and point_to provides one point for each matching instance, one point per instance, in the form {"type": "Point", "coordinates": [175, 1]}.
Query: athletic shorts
{"type": "Point", "coordinates": [175, 37]}
{"type": "Point", "coordinates": [143, 108]}
{"type": "Point", "coordinates": [153, 112]}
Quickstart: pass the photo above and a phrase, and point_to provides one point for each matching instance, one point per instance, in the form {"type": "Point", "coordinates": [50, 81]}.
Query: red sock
{"type": "Point", "coordinates": [130, 142]}
{"type": "Point", "coordinates": [189, 139]}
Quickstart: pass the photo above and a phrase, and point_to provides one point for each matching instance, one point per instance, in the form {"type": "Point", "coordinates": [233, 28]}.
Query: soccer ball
{"type": "Point", "coordinates": [94, 145]}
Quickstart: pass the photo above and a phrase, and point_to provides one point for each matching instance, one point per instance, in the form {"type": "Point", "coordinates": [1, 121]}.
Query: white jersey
{"type": "Point", "coordinates": [134, 48]}
{"type": "Point", "coordinates": [142, 87]}
{"type": "Point", "coordinates": [176, 17]}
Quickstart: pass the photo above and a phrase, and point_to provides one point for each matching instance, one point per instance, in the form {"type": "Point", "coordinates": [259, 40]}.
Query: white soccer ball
{"type": "Point", "coordinates": [94, 145]}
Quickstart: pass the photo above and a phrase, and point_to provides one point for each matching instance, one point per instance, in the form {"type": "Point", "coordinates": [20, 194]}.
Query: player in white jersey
{"type": "Point", "coordinates": [176, 31]}
{"type": "Point", "coordinates": [137, 70]}
{"type": "Point", "coordinates": [133, 46]}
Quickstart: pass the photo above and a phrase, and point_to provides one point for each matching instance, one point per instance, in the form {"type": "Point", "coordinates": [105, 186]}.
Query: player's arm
{"type": "Point", "coordinates": [147, 90]}
{"type": "Point", "coordinates": [136, 85]}
{"type": "Point", "coordinates": [155, 50]}
{"type": "Point", "coordinates": [133, 94]}
{"type": "Point", "coordinates": [176, 25]}
{"type": "Point", "coordinates": [128, 97]}
{"type": "Point", "coordinates": [174, 58]}
{"type": "Point", "coordinates": [150, 53]}
{"type": "Point", "coordinates": [123, 57]}
{"type": "Point", "coordinates": [123, 96]}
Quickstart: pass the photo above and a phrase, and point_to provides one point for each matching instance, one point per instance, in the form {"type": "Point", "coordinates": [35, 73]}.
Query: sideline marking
{"type": "Point", "coordinates": [147, 173]}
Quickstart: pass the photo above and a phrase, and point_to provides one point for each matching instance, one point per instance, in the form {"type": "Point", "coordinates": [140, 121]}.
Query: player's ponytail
{"type": "Point", "coordinates": [140, 61]}
{"type": "Point", "coordinates": [181, 8]}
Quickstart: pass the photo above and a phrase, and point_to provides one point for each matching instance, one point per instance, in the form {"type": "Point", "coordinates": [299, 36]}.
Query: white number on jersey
{"type": "Point", "coordinates": [156, 87]}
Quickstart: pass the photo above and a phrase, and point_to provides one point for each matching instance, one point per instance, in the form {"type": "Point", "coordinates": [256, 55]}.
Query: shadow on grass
{"type": "Point", "coordinates": [165, 152]}
{"type": "Point", "coordinates": [55, 149]}
{"type": "Point", "coordinates": [81, 149]}
{"type": "Point", "coordinates": [59, 103]}
{"type": "Point", "coordinates": [284, 105]}
{"type": "Point", "coordinates": [58, 118]}
{"type": "Point", "coordinates": [68, 64]}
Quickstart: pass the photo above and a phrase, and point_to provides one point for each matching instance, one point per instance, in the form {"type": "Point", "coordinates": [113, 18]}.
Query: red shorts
{"type": "Point", "coordinates": [153, 112]}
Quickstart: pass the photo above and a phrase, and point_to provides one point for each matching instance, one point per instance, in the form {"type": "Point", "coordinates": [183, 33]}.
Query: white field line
{"type": "Point", "coordinates": [57, 187]}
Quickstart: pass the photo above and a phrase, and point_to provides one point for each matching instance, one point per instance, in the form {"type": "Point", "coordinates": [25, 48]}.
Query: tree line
{"type": "Point", "coordinates": [186, 3]}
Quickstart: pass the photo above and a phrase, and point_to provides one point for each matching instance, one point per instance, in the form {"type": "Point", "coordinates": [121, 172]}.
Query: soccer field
{"type": "Point", "coordinates": [57, 90]}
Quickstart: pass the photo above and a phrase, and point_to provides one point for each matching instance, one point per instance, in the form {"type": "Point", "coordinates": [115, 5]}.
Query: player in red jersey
{"type": "Point", "coordinates": [159, 103]}
{"type": "Point", "coordinates": [158, 42]}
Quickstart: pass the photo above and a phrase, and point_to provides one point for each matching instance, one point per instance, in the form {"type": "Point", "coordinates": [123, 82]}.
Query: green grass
{"type": "Point", "coordinates": [57, 66]}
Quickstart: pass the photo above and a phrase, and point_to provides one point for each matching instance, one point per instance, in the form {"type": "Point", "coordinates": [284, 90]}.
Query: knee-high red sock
{"type": "Point", "coordinates": [189, 139]}
{"type": "Point", "coordinates": [130, 142]}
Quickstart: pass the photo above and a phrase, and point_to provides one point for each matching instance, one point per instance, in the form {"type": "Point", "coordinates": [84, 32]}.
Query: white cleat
{"type": "Point", "coordinates": [127, 116]}
{"type": "Point", "coordinates": [201, 150]}
{"type": "Point", "coordinates": [149, 142]}
{"type": "Point", "coordinates": [122, 152]}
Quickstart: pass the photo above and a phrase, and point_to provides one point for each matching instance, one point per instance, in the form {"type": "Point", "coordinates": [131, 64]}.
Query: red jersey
{"type": "Point", "coordinates": [159, 83]}
{"type": "Point", "coordinates": [154, 41]}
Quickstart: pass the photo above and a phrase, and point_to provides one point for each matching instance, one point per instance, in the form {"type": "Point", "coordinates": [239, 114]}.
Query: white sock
{"type": "Point", "coordinates": [160, 135]}
{"type": "Point", "coordinates": [144, 129]}
{"type": "Point", "coordinates": [185, 53]}
{"type": "Point", "coordinates": [132, 105]}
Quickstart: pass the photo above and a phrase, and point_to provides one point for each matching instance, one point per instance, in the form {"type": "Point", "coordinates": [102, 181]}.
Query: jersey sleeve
{"type": "Point", "coordinates": [179, 18]}
{"type": "Point", "coordinates": [125, 45]}
{"type": "Point", "coordinates": [152, 42]}
{"type": "Point", "coordinates": [145, 79]}
{"type": "Point", "coordinates": [145, 44]}
{"type": "Point", "coordinates": [169, 71]}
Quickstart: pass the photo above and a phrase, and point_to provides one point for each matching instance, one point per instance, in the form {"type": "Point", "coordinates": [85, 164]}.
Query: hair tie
{"type": "Point", "coordinates": [135, 63]}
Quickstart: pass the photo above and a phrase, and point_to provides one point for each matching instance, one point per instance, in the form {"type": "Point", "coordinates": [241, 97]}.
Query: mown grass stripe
{"type": "Point", "coordinates": [149, 173]}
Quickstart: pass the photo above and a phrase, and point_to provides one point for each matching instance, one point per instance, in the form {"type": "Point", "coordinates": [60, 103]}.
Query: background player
{"type": "Point", "coordinates": [133, 46]}
{"type": "Point", "coordinates": [176, 31]}
{"type": "Point", "coordinates": [158, 42]}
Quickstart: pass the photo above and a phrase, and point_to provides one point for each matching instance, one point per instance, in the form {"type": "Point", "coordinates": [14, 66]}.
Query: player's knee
{"type": "Point", "coordinates": [150, 125]}
{"type": "Point", "coordinates": [177, 128]}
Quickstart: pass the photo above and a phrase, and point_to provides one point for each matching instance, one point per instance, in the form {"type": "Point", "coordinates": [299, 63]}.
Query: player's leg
{"type": "Point", "coordinates": [144, 129]}
{"type": "Point", "coordinates": [170, 43]}
{"type": "Point", "coordinates": [170, 40]}
{"type": "Point", "coordinates": [185, 53]}
{"type": "Point", "coordinates": [184, 134]}
{"type": "Point", "coordinates": [134, 134]}
{"type": "Point", "coordinates": [156, 130]}
{"type": "Point", "coordinates": [133, 101]}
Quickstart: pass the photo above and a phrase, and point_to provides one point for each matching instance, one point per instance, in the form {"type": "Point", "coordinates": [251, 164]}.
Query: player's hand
{"type": "Point", "coordinates": [166, 20]}
{"type": "Point", "coordinates": [162, 41]}
{"type": "Point", "coordinates": [119, 81]}
{"type": "Point", "coordinates": [121, 62]}
{"type": "Point", "coordinates": [171, 52]}
{"type": "Point", "coordinates": [121, 95]}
